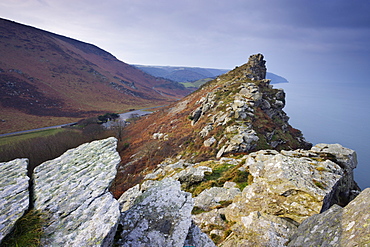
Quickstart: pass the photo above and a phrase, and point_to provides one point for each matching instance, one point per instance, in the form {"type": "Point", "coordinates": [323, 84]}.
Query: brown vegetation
{"type": "Point", "coordinates": [53, 77]}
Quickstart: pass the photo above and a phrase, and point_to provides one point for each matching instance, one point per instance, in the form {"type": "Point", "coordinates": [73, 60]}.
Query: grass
{"type": "Point", "coordinates": [26, 232]}
{"type": "Point", "coordinates": [48, 144]}
{"type": "Point", "coordinates": [6, 140]}
{"type": "Point", "coordinates": [222, 173]}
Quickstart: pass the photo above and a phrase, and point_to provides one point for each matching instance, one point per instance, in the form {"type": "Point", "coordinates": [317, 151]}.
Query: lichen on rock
{"type": "Point", "coordinates": [160, 216]}
{"type": "Point", "coordinates": [72, 191]}
{"type": "Point", "coordinates": [348, 226]}
{"type": "Point", "coordinates": [14, 194]}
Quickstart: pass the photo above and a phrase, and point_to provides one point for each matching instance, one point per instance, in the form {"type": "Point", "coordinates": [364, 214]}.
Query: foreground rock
{"type": "Point", "coordinates": [14, 194]}
{"type": "Point", "coordinates": [288, 187]}
{"type": "Point", "coordinates": [160, 216]}
{"type": "Point", "coordinates": [72, 191]}
{"type": "Point", "coordinates": [348, 226]}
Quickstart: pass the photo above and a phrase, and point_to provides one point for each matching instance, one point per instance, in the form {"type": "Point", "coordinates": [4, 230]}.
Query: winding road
{"type": "Point", "coordinates": [123, 116]}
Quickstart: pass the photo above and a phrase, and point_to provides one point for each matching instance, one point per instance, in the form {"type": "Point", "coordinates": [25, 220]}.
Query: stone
{"type": "Point", "coordinates": [196, 237]}
{"type": "Point", "coordinates": [348, 226]}
{"type": "Point", "coordinates": [205, 131]}
{"type": "Point", "coordinates": [127, 199]}
{"type": "Point", "coordinates": [209, 142]}
{"type": "Point", "coordinates": [192, 175]}
{"type": "Point", "coordinates": [212, 197]}
{"type": "Point", "coordinates": [259, 229]}
{"type": "Point", "coordinates": [208, 220]}
{"type": "Point", "coordinates": [345, 189]}
{"type": "Point", "coordinates": [161, 216]}
{"type": "Point", "coordinates": [72, 190]}
{"type": "Point", "coordinates": [289, 186]}
{"type": "Point", "coordinates": [14, 194]}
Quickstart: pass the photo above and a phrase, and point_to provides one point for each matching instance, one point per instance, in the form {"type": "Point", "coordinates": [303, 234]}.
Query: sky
{"type": "Point", "coordinates": [296, 36]}
{"type": "Point", "coordinates": [321, 47]}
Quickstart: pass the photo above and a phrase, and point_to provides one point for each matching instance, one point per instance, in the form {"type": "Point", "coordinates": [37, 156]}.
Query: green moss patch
{"type": "Point", "coordinates": [27, 231]}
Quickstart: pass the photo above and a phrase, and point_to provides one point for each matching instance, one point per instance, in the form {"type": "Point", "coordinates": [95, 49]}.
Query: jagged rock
{"type": "Point", "coordinates": [72, 190]}
{"type": "Point", "coordinates": [348, 226]}
{"type": "Point", "coordinates": [212, 197]}
{"type": "Point", "coordinates": [256, 69]}
{"type": "Point", "coordinates": [345, 189]}
{"type": "Point", "coordinates": [287, 186]}
{"type": "Point", "coordinates": [14, 194]}
{"type": "Point", "coordinates": [196, 237]}
{"type": "Point", "coordinates": [159, 217]}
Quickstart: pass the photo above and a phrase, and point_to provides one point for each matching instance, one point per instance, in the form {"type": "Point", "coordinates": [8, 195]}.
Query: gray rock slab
{"type": "Point", "coordinates": [161, 216]}
{"type": "Point", "coordinates": [14, 194]}
{"type": "Point", "coordinates": [348, 226]}
{"type": "Point", "coordinates": [72, 190]}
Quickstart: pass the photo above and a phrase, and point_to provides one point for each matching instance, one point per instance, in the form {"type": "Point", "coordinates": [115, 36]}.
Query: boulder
{"type": "Point", "coordinates": [348, 226]}
{"type": "Point", "coordinates": [259, 229]}
{"type": "Point", "coordinates": [14, 193]}
{"type": "Point", "coordinates": [72, 190]}
{"type": "Point", "coordinates": [290, 184]}
{"type": "Point", "coordinates": [192, 175]}
{"type": "Point", "coordinates": [212, 197]}
{"type": "Point", "coordinates": [161, 216]}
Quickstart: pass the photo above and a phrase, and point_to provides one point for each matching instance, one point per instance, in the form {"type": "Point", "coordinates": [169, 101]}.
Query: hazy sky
{"type": "Point", "coordinates": [297, 37]}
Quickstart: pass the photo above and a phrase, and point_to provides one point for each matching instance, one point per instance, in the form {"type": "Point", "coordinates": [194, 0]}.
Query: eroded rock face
{"type": "Point", "coordinates": [160, 216]}
{"type": "Point", "coordinates": [290, 184]}
{"type": "Point", "coordinates": [14, 194]}
{"type": "Point", "coordinates": [72, 190]}
{"type": "Point", "coordinates": [348, 226]}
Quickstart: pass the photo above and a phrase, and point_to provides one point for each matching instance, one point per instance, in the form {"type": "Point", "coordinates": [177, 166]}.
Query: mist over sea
{"type": "Point", "coordinates": [333, 112]}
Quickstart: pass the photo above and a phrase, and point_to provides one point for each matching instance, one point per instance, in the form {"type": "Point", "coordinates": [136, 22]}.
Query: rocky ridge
{"type": "Point", "coordinates": [261, 198]}
{"type": "Point", "coordinates": [238, 112]}
{"type": "Point", "coordinates": [262, 190]}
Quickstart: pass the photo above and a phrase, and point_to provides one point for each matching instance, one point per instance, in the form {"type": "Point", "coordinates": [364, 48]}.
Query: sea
{"type": "Point", "coordinates": [333, 112]}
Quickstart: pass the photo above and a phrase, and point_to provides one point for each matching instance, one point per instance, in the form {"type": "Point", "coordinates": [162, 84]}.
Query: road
{"type": "Point", "coordinates": [123, 116]}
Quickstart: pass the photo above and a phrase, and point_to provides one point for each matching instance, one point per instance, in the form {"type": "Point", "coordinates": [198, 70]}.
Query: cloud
{"type": "Point", "coordinates": [204, 33]}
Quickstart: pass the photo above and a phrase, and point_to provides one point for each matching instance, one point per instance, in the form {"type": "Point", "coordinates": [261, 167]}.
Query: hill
{"type": "Point", "coordinates": [194, 77]}
{"type": "Point", "coordinates": [48, 79]}
{"type": "Point", "coordinates": [238, 112]}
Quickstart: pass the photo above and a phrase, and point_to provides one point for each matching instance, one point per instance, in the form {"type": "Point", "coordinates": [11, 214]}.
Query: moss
{"type": "Point", "coordinates": [27, 231]}
{"type": "Point", "coordinates": [222, 173]}
{"type": "Point", "coordinates": [318, 184]}
{"type": "Point", "coordinates": [197, 210]}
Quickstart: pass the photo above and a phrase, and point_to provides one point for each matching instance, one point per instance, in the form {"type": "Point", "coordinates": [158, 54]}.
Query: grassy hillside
{"type": "Point", "coordinates": [48, 79]}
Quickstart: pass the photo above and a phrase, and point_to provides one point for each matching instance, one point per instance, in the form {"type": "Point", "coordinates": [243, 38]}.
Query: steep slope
{"type": "Point", "coordinates": [237, 113]}
{"type": "Point", "coordinates": [49, 79]}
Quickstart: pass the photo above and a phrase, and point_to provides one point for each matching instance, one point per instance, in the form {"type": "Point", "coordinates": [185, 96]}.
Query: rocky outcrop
{"type": "Point", "coordinates": [159, 216]}
{"type": "Point", "coordinates": [14, 194]}
{"type": "Point", "coordinates": [284, 188]}
{"type": "Point", "coordinates": [249, 111]}
{"type": "Point", "coordinates": [72, 191]}
{"type": "Point", "coordinates": [348, 226]}
{"type": "Point", "coordinates": [288, 187]}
